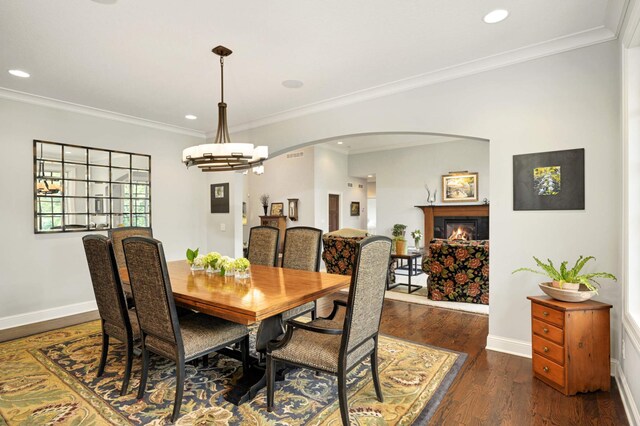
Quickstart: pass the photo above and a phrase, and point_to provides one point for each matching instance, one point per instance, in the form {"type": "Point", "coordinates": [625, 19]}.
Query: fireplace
{"type": "Point", "coordinates": [467, 217]}
{"type": "Point", "coordinates": [461, 227]}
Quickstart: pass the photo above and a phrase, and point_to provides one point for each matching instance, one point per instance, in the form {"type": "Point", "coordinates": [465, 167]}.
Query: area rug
{"type": "Point", "coordinates": [50, 378]}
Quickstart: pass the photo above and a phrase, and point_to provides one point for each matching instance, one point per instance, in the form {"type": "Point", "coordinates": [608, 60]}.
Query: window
{"type": "Point", "coordinates": [78, 188]}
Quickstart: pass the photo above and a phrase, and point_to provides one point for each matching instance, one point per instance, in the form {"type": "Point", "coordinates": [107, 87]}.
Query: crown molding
{"type": "Point", "coordinates": [615, 14]}
{"type": "Point", "coordinates": [28, 98]}
{"type": "Point", "coordinates": [578, 40]}
{"type": "Point", "coordinates": [630, 30]}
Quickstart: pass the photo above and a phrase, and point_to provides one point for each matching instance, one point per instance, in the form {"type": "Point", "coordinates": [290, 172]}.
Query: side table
{"type": "Point", "coordinates": [412, 267]}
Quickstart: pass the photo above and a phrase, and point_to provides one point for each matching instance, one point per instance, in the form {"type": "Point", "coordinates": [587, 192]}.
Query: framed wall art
{"type": "Point", "coordinates": [549, 180]}
{"type": "Point", "coordinates": [220, 198]}
{"type": "Point", "coordinates": [460, 187]}
{"type": "Point", "coordinates": [355, 208]}
{"type": "Point", "coordinates": [276, 209]}
{"type": "Point", "coordinates": [293, 209]}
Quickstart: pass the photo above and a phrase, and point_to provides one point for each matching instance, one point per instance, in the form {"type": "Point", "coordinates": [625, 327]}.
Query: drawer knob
{"type": "Point", "coordinates": [545, 313]}
{"type": "Point", "coordinates": [546, 369]}
{"type": "Point", "coordinates": [546, 330]}
{"type": "Point", "coordinates": [546, 349]}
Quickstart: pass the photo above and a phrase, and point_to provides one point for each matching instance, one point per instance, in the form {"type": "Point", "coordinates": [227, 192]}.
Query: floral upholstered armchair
{"type": "Point", "coordinates": [458, 270]}
{"type": "Point", "coordinates": [339, 252]}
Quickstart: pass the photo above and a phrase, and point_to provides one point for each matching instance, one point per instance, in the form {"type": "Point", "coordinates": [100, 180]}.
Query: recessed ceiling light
{"type": "Point", "coordinates": [339, 142]}
{"type": "Point", "coordinates": [292, 84]}
{"type": "Point", "coordinates": [190, 117]}
{"type": "Point", "coordinates": [19, 73]}
{"type": "Point", "coordinates": [495, 16]}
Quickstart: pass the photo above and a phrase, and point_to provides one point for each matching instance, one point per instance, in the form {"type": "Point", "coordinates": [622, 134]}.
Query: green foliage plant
{"type": "Point", "coordinates": [191, 255]}
{"type": "Point", "coordinates": [573, 275]}
{"type": "Point", "coordinates": [398, 230]}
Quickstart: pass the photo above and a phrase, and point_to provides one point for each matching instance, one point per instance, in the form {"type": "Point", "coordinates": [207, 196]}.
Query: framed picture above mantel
{"type": "Point", "coordinates": [459, 187]}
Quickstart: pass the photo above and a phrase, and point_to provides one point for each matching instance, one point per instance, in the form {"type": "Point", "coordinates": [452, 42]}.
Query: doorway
{"type": "Point", "coordinates": [334, 212]}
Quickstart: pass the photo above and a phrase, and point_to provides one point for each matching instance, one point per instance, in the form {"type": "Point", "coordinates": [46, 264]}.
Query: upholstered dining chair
{"type": "Point", "coordinates": [163, 333]}
{"type": "Point", "coordinates": [117, 321]}
{"type": "Point", "coordinates": [335, 347]}
{"type": "Point", "coordinates": [263, 245]}
{"type": "Point", "coordinates": [118, 234]}
{"type": "Point", "coordinates": [301, 250]}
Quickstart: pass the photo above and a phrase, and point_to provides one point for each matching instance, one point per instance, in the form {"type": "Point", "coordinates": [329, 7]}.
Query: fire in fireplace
{"type": "Point", "coordinates": [458, 230]}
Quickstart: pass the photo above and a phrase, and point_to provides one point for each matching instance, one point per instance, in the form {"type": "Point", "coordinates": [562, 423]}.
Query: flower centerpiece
{"type": "Point", "coordinates": [193, 259]}
{"type": "Point", "coordinates": [241, 266]}
{"type": "Point", "coordinates": [417, 236]}
{"type": "Point", "coordinates": [212, 259]}
{"type": "Point", "coordinates": [225, 263]}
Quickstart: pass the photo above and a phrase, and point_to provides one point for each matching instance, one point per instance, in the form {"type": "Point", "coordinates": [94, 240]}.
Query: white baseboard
{"type": "Point", "coordinates": [630, 407]}
{"type": "Point", "coordinates": [509, 346]}
{"type": "Point", "coordinates": [47, 314]}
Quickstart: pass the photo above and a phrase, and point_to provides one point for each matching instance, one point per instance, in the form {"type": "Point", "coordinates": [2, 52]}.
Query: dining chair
{"type": "Point", "coordinates": [117, 321]}
{"type": "Point", "coordinates": [330, 346]}
{"type": "Point", "coordinates": [163, 333]}
{"type": "Point", "coordinates": [118, 234]}
{"type": "Point", "coordinates": [301, 250]}
{"type": "Point", "coordinates": [263, 245]}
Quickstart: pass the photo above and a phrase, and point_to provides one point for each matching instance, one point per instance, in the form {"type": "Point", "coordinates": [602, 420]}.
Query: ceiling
{"type": "Point", "coordinates": [152, 59]}
{"type": "Point", "coordinates": [361, 144]}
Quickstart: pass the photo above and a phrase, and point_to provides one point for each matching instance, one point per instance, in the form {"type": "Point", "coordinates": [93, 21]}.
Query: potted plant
{"type": "Point", "coordinates": [241, 266]}
{"type": "Point", "coordinates": [211, 260]}
{"type": "Point", "coordinates": [417, 236]}
{"type": "Point", "coordinates": [264, 200]}
{"type": "Point", "coordinates": [398, 238]}
{"type": "Point", "coordinates": [226, 266]}
{"type": "Point", "coordinates": [196, 262]}
{"type": "Point", "coordinates": [568, 283]}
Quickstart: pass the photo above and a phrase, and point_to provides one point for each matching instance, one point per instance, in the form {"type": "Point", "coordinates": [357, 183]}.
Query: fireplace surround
{"type": "Point", "coordinates": [436, 219]}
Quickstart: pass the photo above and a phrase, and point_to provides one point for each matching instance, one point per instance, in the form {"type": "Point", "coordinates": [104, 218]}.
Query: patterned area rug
{"type": "Point", "coordinates": [50, 378]}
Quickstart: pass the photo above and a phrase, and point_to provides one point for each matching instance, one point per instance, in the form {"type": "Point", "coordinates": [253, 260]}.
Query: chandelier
{"type": "Point", "coordinates": [222, 155]}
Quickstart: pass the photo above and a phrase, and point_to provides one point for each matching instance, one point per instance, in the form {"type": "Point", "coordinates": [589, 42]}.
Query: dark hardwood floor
{"type": "Point", "coordinates": [492, 388]}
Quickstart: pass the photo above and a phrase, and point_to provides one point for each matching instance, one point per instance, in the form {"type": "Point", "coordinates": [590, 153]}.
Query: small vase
{"type": "Point", "coordinates": [229, 272]}
{"type": "Point", "coordinates": [195, 268]}
{"type": "Point", "coordinates": [265, 209]}
{"type": "Point", "coordinates": [242, 275]}
{"type": "Point", "coordinates": [417, 243]}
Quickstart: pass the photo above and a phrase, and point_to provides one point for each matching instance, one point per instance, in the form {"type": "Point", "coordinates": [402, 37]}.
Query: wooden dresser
{"type": "Point", "coordinates": [571, 344]}
{"type": "Point", "coordinates": [279, 222]}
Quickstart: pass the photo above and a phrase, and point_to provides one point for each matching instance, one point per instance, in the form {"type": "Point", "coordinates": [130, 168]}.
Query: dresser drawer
{"type": "Point", "coordinates": [548, 349]}
{"type": "Point", "coordinates": [547, 331]}
{"type": "Point", "coordinates": [548, 314]}
{"type": "Point", "coordinates": [551, 371]}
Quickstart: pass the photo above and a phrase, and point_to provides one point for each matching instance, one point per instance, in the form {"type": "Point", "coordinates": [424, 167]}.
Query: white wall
{"type": "Point", "coordinates": [332, 174]}
{"type": "Point", "coordinates": [40, 272]}
{"type": "Point", "coordinates": [564, 101]}
{"type": "Point", "coordinates": [402, 173]}
{"type": "Point", "coordinates": [284, 178]}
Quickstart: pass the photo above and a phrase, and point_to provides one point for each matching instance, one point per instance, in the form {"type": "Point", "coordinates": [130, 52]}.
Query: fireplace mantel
{"type": "Point", "coordinates": [466, 210]}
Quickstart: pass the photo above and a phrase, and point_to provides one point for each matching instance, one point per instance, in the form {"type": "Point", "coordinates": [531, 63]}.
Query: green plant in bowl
{"type": "Point", "coordinates": [565, 277]}
{"type": "Point", "coordinates": [191, 255]}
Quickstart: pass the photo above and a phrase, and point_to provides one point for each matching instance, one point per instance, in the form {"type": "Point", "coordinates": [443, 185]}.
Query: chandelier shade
{"type": "Point", "coordinates": [222, 155]}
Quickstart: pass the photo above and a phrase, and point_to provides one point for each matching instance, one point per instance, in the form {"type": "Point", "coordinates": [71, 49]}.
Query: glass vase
{"type": "Point", "coordinates": [242, 275]}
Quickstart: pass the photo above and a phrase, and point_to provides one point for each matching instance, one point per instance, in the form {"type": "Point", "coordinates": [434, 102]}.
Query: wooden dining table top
{"type": "Point", "coordinates": [268, 292]}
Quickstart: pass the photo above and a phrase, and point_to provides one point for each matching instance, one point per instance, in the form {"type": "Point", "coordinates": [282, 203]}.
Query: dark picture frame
{"type": "Point", "coordinates": [220, 198]}
{"type": "Point", "coordinates": [293, 209]}
{"type": "Point", "coordinates": [355, 208]}
{"type": "Point", "coordinates": [276, 209]}
{"type": "Point", "coordinates": [460, 187]}
{"type": "Point", "coordinates": [551, 180]}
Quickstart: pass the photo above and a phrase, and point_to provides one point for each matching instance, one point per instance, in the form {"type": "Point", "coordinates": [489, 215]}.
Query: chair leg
{"type": "Point", "coordinates": [342, 397]}
{"type": "Point", "coordinates": [145, 371]}
{"type": "Point", "coordinates": [127, 370]}
{"type": "Point", "coordinates": [374, 372]}
{"type": "Point", "coordinates": [179, 390]}
{"type": "Point", "coordinates": [105, 349]}
{"type": "Point", "coordinates": [244, 348]}
{"type": "Point", "coordinates": [314, 313]}
{"type": "Point", "coordinates": [271, 378]}
{"type": "Point", "coordinates": [205, 361]}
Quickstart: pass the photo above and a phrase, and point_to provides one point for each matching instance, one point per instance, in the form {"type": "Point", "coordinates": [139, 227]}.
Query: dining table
{"type": "Point", "coordinates": [262, 297]}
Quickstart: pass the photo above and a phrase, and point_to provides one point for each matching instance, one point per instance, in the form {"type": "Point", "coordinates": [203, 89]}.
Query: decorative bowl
{"type": "Point", "coordinates": [581, 295]}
